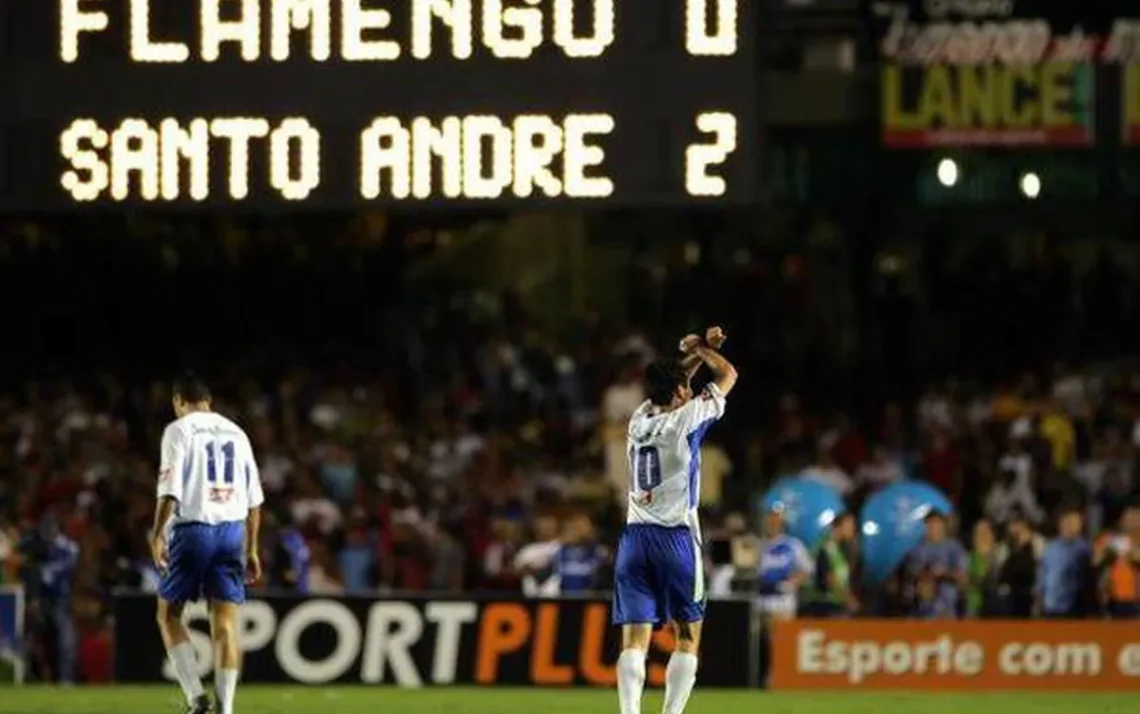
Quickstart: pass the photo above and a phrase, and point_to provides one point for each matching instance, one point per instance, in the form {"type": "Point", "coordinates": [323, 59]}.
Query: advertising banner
{"type": "Point", "coordinates": [953, 655]}
{"type": "Point", "coordinates": [1123, 49]}
{"type": "Point", "coordinates": [425, 642]}
{"type": "Point", "coordinates": [990, 72]}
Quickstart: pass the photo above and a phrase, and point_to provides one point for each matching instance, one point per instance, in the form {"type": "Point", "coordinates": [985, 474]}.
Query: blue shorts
{"type": "Point", "coordinates": [658, 577]}
{"type": "Point", "coordinates": [205, 561]}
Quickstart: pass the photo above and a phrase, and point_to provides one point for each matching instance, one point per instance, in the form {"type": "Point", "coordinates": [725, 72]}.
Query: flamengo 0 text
{"type": "Point", "coordinates": [508, 29]}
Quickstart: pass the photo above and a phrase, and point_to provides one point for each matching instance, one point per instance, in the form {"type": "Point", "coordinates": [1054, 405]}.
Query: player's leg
{"type": "Point", "coordinates": [636, 609]}
{"type": "Point", "coordinates": [685, 599]}
{"type": "Point", "coordinates": [681, 672]}
{"type": "Point", "coordinates": [227, 653]}
{"type": "Point", "coordinates": [181, 583]}
{"type": "Point", "coordinates": [631, 666]}
{"type": "Point", "coordinates": [225, 588]}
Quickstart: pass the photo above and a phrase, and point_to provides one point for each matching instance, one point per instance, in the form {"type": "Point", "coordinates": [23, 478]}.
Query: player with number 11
{"type": "Point", "coordinates": [209, 499]}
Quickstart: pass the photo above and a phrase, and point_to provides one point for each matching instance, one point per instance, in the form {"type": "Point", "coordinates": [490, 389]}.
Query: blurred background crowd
{"type": "Point", "coordinates": [440, 406]}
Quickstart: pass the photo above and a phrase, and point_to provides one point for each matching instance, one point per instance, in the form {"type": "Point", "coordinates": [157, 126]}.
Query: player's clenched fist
{"type": "Point", "coordinates": [715, 337]}
{"type": "Point", "coordinates": [252, 567]}
{"type": "Point", "coordinates": [690, 343]}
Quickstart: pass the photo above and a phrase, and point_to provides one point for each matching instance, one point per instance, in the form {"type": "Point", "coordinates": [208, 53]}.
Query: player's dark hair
{"type": "Point", "coordinates": [190, 388]}
{"type": "Point", "coordinates": [662, 379]}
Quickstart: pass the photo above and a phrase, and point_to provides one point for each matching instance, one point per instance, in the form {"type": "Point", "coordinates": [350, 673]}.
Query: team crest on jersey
{"type": "Point", "coordinates": [164, 476]}
{"type": "Point", "coordinates": [220, 495]}
{"type": "Point", "coordinates": [644, 499]}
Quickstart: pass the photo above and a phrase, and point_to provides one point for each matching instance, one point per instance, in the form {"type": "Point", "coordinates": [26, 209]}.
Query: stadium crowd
{"type": "Point", "coordinates": [475, 451]}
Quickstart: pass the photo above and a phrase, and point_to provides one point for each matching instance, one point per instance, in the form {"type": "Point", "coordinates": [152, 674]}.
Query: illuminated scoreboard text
{"type": "Point", "coordinates": [345, 102]}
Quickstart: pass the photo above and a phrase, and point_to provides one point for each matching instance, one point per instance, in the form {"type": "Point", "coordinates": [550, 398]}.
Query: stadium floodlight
{"type": "Point", "coordinates": [948, 172]}
{"type": "Point", "coordinates": [1030, 185]}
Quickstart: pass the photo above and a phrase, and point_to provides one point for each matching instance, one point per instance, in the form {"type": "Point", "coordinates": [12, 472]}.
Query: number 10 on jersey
{"type": "Point", "coordinates": [645, 470]}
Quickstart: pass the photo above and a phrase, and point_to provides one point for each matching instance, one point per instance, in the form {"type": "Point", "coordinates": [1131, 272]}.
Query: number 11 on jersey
{"type": "Point", "coordinates": [645, 471]}
{"type": "Point", "coordinates": [226, 453]}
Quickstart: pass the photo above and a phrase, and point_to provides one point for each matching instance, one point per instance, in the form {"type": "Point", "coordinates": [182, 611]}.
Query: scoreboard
{"type": "Point", "coordinates": [339, 103]}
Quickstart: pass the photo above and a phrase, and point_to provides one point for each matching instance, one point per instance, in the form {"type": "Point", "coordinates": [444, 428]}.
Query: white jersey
{"type": "Point", "coordinates": [664, 451]}
{"type": "Point", "coordinates": [209, 468]}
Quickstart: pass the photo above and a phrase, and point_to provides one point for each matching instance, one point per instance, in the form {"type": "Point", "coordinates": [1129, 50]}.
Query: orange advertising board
{"type": "Point", "coordinates": [948, 655]}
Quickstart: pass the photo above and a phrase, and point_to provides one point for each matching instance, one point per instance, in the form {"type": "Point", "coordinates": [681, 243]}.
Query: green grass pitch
{"type": "Point", "coordinates": [373, 700]}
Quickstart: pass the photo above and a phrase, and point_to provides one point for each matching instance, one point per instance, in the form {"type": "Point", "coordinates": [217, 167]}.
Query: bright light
{"type": "Point", "coordinates": [948, 172]}
{"type": "Point", "coordinates": [1030, 185]}
{"type": "Point", "coordinates": [870, 528]}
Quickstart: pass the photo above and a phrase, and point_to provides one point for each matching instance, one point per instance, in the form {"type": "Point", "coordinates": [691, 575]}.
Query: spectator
{"type": "Point", "coordinates": [929, 604]}
{"type": "Point", "coordinates": [1018, 574]}
{"type": "Point", "coordinates": [830, 591]}
{"type": "Point", "coordinates": [715, 467]}
{"type": "Point", "coordinates": [1063, 575]}
{"type": "Point", "coordinates": [937, 570]}
{"type": "Point", "coordinates": [310, 506]}
{"type": "Point", "coordinates": [880, 471]}
{"type": "Point", "coordinates": [357, 559]}
{"type": "Point", "coordinates": [1012, 493]}
{"type": "Point", "coordinates": [578, 562]}
{"type": "Point", "coordinates": [942, 464]}
{"type": "Point", "coordinates": [849, 449]}
{"type": "Point", "coordinates": [292, 560]}
{"type": "Point", "coordinates": [827, 472]}
{"type": "Point", "coordinates": [1118, 565]}
{"type": "Point", "coordinates": [449, 560]}
{"type": "Point", "coordinates": [983, 570]}
{"type": "Point", "coordinates": [499, 574]}
{"type": "Point", "coordinates": [620, 400]}
{"type": "Point", "coordinates": [721, 564]}
{"type": "Point", "coordinates": [1111, 500]}
{"type": "Point", "coordinates": [406, 557]}
{"type": "Point", "coordinates": [53, 561]}
{"type": "Point", "coordinates": [784, 566]}
{"type": "Point", "coordinates": [1057, 429]}
{"type": "Point", "coordinates": [8, 559]}
{"type": "Point", "coordinates": [534, 561]}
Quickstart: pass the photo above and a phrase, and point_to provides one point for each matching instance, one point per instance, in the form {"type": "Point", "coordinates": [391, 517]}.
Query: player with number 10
{"type": "Point", "coordinates": [209, 499]}
{"type": "Point", "coordinates": [658, 575]}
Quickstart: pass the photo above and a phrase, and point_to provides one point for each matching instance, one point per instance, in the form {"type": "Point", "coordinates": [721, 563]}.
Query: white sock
{"type": "Point", "coordinates": [225, 686]}
{"type": "Point", "coordinates": [680, 676]}
{"type": "Point", "coordinates": [186, 669]}
{"type": "Point", "coordinates": [630, 680]}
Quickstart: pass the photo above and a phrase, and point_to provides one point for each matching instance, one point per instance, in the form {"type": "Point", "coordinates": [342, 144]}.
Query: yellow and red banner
{"type": "Point", "coordinates": [997, 72]}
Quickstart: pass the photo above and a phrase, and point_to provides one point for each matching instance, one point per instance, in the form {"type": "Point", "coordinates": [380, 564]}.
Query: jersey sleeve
{"type": "Point", "coordinates": [703, 409]}
{"type": "Point", "coordinates": [172, 461]}
{"type": "Point", "coordinates": [253, 478]}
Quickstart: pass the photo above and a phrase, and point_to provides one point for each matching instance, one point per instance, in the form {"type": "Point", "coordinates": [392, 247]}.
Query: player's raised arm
{"type": "Point", "coordinates": [691, 361]}
{"type": "Point", "coordinates": [724, 374]}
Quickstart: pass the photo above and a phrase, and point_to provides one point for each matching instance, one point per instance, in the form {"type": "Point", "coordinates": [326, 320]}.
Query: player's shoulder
{"type": "Point", "coordinates": [711, 393]}
{"type": "Point", "coordinates": [640, 421]}
{"type": "Point", "coordinates": [177, 429]}
{"type": "Point", "coordinates": [226, 424]}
